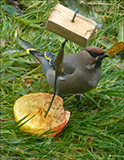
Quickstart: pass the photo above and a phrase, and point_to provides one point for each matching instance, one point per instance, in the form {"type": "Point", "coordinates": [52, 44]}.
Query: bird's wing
{"type": "Point", "coordinates": [65, 75]}
{"type": "Point", "coordinates": [68, 67]}
{"type": "Point", "coordinates": [69, 63]}
{"type": "Point", "coordinates": [50, 57]}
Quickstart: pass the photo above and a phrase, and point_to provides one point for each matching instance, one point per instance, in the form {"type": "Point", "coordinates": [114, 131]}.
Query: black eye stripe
{"type": "Point", "coordinates": [94, 55]}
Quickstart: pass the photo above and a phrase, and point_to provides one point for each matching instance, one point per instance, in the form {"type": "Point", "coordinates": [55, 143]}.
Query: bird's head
{"type": "Point", "coordinates": [97, 55]}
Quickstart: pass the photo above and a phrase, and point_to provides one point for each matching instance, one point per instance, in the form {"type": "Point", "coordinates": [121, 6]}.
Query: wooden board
{"type": "Point", "coordinates": [80, 31]}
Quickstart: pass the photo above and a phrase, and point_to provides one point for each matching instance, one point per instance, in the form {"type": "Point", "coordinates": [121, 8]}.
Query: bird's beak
{"type": "Point", "coordinates": [103, 56]}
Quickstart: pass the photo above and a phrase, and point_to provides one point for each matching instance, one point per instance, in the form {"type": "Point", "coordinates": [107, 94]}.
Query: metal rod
{"type": "Point", "coordinates": [75, 14]}
{"type": "Point", "coordinates": [53, 96]}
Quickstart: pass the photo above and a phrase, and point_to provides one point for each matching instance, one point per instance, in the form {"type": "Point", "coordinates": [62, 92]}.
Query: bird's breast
{"type": "Point", "coordinates": [94, 77]}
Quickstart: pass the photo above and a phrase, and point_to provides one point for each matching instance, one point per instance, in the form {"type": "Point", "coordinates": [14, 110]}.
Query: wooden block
{"type": "Point", "coordinates": [80, 31]}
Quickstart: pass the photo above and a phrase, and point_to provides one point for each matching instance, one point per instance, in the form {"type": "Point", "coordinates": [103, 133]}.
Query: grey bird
{"type": "Point", "coordinates": [81, 73]}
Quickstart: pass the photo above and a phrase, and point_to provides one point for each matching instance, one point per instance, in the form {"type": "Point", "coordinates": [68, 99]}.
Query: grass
{"type": "Point", "coordinates": [96, 133]}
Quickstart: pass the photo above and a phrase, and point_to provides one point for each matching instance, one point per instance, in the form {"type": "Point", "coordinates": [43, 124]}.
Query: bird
{"type": "Point", "coordinates": [81, 71]}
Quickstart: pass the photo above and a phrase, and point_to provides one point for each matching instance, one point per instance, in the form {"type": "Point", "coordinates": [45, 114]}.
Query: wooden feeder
{"type": "Point", "coordinates": [80, 31]}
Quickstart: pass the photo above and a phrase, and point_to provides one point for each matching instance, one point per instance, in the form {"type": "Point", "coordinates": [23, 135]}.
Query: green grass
{"type": "Point", "coordinates": [96, 133]}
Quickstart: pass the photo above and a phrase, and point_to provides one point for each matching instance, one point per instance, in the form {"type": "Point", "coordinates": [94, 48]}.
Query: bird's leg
{"type": "Point", "coordinates": [78, 97]}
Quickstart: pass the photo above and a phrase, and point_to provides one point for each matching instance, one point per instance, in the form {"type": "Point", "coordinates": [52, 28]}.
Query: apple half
{"type": "Point", "coordinates": [35, 106]}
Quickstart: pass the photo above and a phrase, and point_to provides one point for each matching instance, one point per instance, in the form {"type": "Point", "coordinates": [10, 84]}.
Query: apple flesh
{"type": "Point", "coordinates": [35, 105]}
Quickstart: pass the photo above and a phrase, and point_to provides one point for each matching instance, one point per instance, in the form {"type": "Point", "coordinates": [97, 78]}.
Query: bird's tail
{"type": "Point", "coordinates": [34, 52]}
{"type": "Point", "coordinates": [31, 50]}
{"type": "Point", "coordinates": [28, 47]}
{"type": "Point", "coordinates": [23, 44]}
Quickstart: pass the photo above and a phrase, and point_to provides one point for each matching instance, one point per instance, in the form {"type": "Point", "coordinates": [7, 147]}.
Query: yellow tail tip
{"type": "Point", "coordinates": [29, 49]}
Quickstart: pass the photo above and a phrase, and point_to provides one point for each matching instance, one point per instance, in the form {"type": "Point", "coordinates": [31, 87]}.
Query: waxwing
{"type": "Point", "coordinates": [81, 73]}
